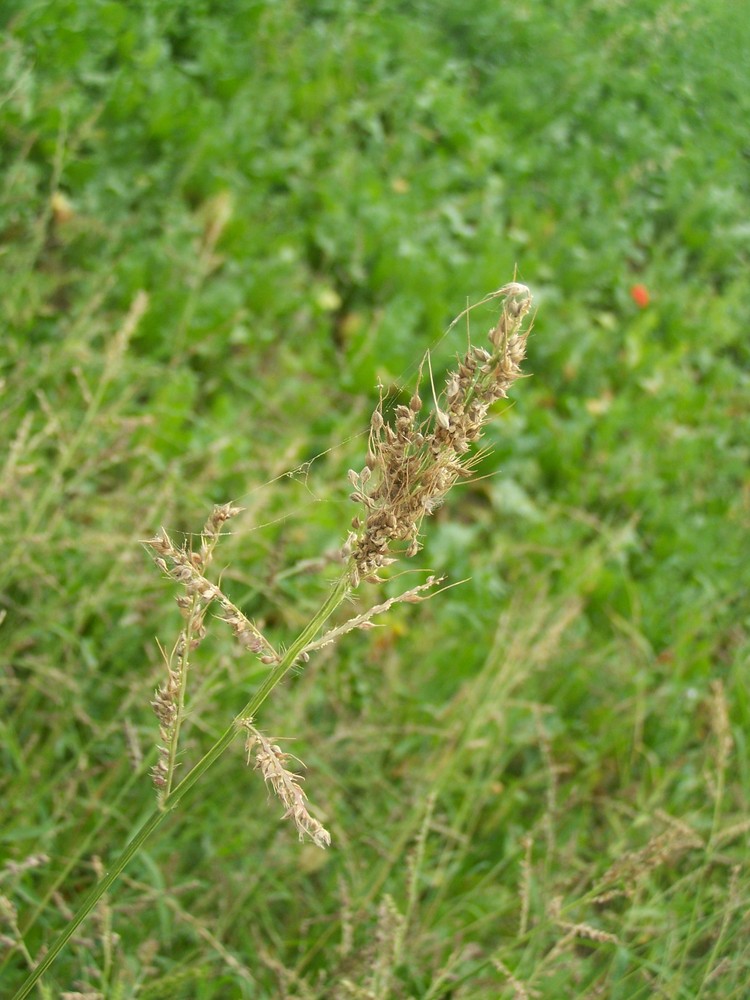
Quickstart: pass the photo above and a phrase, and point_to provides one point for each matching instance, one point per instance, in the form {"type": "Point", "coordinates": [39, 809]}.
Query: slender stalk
{"type": "Point", "coordinates": [159, 814]}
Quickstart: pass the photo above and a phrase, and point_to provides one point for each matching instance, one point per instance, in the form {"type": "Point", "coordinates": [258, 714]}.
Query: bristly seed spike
{"type": "Point", "coordinates": [415, 463]}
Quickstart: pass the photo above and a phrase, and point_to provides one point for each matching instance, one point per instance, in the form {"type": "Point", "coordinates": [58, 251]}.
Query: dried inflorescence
{"type": "Point", "coordinates": [364, 621]}
{"type": "Point", "coordinates": [188, 568]}
{"type": "Point", "coordinates": [272, 762]}
{"type": "Point", "coordinates": [577, 930]}
{"type": "Point", "coordinates": [622, 877]}
{"type": "Point", "coordinates": [412, 462]}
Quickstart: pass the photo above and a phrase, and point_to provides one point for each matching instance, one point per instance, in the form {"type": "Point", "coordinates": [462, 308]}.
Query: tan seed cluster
{"type": "Point", "coordinates": [632, 866]}
{"type": "Point", "coordinates": [413, 462]}
{"type": "Point", "coordinates": [272, 762]}
{"type": "Point", "coordinates": [188, 568]}
{"type": "Point", "coordinates": [580, 930]}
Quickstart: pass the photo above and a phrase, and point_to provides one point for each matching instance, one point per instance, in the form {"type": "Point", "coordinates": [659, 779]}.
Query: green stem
{"type": "Point", "coordinates": [158, 815]}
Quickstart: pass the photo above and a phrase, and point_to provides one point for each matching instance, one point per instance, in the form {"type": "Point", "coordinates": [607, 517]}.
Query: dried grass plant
{"type": "Point", "coordinates": [411, 464]}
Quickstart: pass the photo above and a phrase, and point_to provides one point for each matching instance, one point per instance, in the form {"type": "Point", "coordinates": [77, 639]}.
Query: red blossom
{"type": "Point", "coordinates": [640, 295]}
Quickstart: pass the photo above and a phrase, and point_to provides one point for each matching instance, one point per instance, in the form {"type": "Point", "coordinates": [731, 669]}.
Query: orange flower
{"type": "Point", "coordinates": [639, 295]}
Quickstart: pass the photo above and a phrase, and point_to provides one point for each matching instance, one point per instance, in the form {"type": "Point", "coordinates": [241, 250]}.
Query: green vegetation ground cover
{"type": "Point", "coordinates": [307, 194]}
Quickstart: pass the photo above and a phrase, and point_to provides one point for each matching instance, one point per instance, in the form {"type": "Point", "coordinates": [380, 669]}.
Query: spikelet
{"type": "Point", "coordinates": [412, 463]}
{"type": "Point", "coordinates": [272, 762]}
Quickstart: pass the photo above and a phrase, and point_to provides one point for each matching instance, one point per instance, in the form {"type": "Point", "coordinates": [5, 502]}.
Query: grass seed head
{"type": "Point", "coordinates": [272, 762]}
{"type": "Point", "coordinates": [411, 463]}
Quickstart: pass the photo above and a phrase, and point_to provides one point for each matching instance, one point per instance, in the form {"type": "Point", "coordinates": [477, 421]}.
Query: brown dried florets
{"type": "Point", "coordinates": [412, 464]}
{"type": "Point", "coordinates": [272, 763]}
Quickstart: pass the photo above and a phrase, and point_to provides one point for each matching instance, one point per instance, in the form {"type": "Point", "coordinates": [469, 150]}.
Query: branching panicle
{"type": "Point", "coordinates": [187, 568]}
{"type": "Point", "coordinates": [411, 463]}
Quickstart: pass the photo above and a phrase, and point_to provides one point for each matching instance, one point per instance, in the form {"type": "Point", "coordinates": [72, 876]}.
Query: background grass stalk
{"type": "Point", "coordinates": [171, 801]}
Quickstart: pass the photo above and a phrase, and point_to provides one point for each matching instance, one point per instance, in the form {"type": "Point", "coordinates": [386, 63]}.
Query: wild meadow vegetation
{"type": "Point", "coordinates": [224, 226]}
